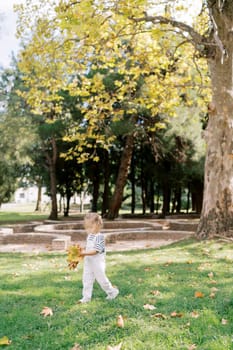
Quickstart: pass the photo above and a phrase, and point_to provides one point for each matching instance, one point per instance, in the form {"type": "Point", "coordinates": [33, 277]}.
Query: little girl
{"type": "Point", "coordinates": [94, 260]}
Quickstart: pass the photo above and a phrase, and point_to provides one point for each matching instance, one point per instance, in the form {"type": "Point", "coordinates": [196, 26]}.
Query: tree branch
{"type": "Point", "coordinates": [196, 38]}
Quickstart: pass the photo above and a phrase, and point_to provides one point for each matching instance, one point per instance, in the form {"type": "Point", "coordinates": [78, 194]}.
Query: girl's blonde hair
{"type": "Point", "coordinates": [93, 222]}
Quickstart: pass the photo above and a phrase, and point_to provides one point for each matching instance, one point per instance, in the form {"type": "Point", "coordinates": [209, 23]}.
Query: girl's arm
{"type": "Point", "coordinates": [89, 253]}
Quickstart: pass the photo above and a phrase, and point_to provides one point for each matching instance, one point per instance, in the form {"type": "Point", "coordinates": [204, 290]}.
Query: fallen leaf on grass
{"type": "Point", "coordinates": [224, 321]}
{"type": "Point", "coordinates": [192, 347]}
{"type": "Point", "coordinates": [189, 262]}
{"type": "Point", "coordinates": [199, 295]}
{"type": "Point", "coordinates": [206, 252]}
{"type": "Point", "coordinates": [5, 341]}
{"type": "Point", "coordinates": [76, 347]}
{"type": "Point", "coordinates": [47, 311]}
{"type": "Point", "coordinates": [155, 292]}
{"type": "Point", "coordinates": [176, 314]}
{"type": "Point", "coordinates": [213, 282]}
{"type": "Point", "coordinates": [116, 347]}
{"type": "Point", "coordinates": [146, 269]}
{"type": "Point", "coordinates": [67, 278]}
{"type": "Point", "coordinates": [159, 315]}
{"type": "Point", "coordinates": [212, 295]}
{"type": "Point", "coordinates": [149, 307]}
{"type": "Point", "coordinates": [194, 314]}
{"type": "Point", "coordinates": [15, 274]}
{"type": "Point", "coordinates": [120, 321]}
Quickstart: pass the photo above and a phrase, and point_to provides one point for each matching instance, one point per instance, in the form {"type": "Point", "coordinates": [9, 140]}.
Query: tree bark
{"type": "Point", "coordinates": [39, 196]}
{"type": "Point", "coordinates": [105, 203]}
{"type": "Point", "coordinates": [52, 160]}
{"type": "Point", "coordinates": [133, 185]}
{"type": "Point", "coordinates": [96, 186]}
{"type": "Point", "coordinates": [117, 198]}
{"type": "Point", "coordinates": [217, 211]}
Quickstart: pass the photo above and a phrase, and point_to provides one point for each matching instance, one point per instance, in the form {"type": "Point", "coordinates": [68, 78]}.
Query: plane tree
{"type": "Point", "coordinates": [211, 39]}
{"type": "Point", "coordinates": [92, 32]}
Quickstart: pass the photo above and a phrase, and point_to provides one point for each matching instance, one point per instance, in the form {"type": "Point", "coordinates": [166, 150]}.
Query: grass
{"type": "Point", "coordinates": [166, 278]}
{"type": "Point", "coordinates": [14, 217]}
{"type": "Point", "coordinates": [11, 213]}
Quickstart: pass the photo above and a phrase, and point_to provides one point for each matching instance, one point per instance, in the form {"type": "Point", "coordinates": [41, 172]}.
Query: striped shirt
{"type": "Point", "coordinates": [95, 242]}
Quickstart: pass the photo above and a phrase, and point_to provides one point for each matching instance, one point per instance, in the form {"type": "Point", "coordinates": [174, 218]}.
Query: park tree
{"type": "Point", "coordinates": [17, 134]}
{"type": "Point", "coordinates": [213, 41]}
{"type": "Point", "coordinates": [90, 32]}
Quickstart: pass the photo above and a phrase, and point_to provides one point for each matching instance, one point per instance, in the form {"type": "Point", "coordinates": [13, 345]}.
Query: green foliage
{"type": "Point", "coordinates": [155, 277]}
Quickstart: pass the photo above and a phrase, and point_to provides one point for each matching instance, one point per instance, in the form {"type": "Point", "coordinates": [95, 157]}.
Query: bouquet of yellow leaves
{"type": "Point", "coordinates": [74, 256]}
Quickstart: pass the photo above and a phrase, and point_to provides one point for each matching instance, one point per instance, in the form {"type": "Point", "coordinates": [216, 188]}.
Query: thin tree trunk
{"type": "Point", "coordinates": [152, 194]}
{"type": "Point", "coordinates": [132, 178]}
{"type": "Point", "coordinates": [52, 160]}
{"type": "Point", "coordinates": [96, 185]}
{"type": "Point", "coordinates": [105, 203]}
{"type": "Point", "coordinates": [143, 188]}
{"type": "Point", "coordinates": [39, 196]}
{"type": "Point", "coordinates": [117, 198]}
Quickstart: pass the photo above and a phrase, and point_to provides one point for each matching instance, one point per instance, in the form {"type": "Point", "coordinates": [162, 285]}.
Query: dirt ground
{"type": "Point", "coordinates": [110, 247]}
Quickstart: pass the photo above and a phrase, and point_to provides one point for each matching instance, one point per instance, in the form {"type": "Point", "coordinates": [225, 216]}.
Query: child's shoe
{"type": "Point", "coordinates": [83, 301]}
{"type": "Point", "coordinates": [113, 295]}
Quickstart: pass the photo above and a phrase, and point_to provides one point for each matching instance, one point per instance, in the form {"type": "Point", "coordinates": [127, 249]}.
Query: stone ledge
{"type": "Point", "coordinates": [61, 243]}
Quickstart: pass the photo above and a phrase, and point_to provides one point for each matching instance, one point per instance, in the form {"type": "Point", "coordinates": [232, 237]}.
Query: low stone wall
{"type": "Point", "coordinates": [60, 235]}
{"type": "Point", "coordinates": [183, 225]}
{"type": "Point", "coordinates": [147, 235]}
{"type": "Point", "coordinates": [24, 238]}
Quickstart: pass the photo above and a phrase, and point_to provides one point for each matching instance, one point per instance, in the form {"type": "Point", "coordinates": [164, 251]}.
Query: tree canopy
{"type": "Point", "coordinates": [159, 60]}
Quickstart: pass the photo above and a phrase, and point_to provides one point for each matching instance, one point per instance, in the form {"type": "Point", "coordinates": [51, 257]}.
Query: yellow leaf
{"type": "Point", "coordinates": [5, 341]}
{"type": "Point", "coordinates": [74, 256]}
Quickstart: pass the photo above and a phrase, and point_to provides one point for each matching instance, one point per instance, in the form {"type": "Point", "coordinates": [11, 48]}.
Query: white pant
{"type": "Point", "coordinates": [94, 269]}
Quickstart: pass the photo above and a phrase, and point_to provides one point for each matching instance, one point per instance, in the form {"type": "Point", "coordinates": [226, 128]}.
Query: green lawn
{"type": "Point", "coordinates": [15, 213]}
{"type": "Point", "coordinates": [165, 278]}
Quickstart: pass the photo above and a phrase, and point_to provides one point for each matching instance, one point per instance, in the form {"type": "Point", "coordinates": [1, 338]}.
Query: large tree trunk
{"type": "Point", "coordinates": [217, 212]}
{"type": "Point", "coordinates": [121, 178]}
